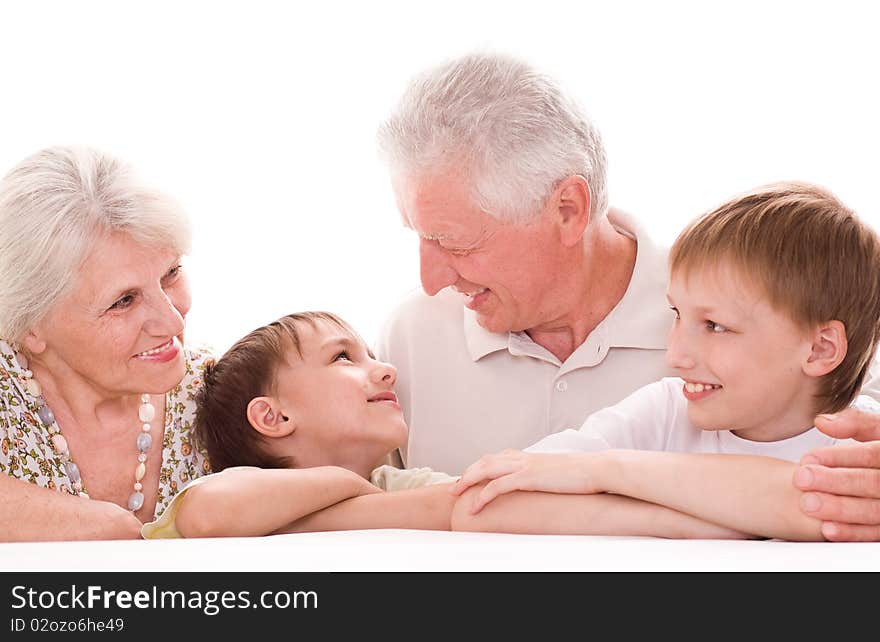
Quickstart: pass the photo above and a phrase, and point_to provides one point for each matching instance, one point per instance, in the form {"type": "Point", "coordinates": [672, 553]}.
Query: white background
{"type": "Point", "coordinates": [261, 118]}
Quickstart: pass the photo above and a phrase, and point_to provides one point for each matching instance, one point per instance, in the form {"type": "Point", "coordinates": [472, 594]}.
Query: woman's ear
{"type": "Point", "coordinates": [264, 414]}
{"type": "Point", "coordinates": [828, 349]}
{"type": "Point", "coordinates": [33, 342]}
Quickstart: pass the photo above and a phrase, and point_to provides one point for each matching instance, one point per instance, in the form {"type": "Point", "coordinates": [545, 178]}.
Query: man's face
{"type": "Point", "coordinates": [505, 272]}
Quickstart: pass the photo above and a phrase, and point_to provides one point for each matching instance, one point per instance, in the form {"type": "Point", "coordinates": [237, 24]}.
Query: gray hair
{"type": "Point", "coordinates": [54, 206]}
{"type": "Point", "coordinates": [510, 127]}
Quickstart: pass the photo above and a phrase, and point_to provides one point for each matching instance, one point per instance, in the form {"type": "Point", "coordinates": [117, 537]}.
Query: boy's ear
{"type": "Point", "coordinates": [264, 414]}
{"type": "Point", "coordinates": [828, 349]}
{"type": "Point", "coordinates": [574, 206]}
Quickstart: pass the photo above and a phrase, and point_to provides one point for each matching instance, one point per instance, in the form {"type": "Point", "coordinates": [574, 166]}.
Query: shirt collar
{"type": "Point", "coordinates": [640, 320]}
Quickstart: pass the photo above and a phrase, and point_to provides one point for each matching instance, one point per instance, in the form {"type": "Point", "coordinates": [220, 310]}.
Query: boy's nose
{"type": "Point", "coordinates": [385, 372]}
{"type": "Point", "coordinates": [677, 354]}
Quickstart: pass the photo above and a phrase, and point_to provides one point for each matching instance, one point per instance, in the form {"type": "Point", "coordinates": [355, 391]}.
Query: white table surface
{"type": "Point", "coordinates": [411, 550]}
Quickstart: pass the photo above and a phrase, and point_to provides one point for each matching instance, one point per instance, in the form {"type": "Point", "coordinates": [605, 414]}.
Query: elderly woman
{"type": "Point", "coordinates": [96, 382]}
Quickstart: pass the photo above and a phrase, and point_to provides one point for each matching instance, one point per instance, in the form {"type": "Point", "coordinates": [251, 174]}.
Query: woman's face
{"type": "Point", "coordinates": [120, 329]}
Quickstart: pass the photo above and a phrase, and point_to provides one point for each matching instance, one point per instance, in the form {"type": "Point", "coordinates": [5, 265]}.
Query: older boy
{"type": "Point", "coordinates": [776, 297]}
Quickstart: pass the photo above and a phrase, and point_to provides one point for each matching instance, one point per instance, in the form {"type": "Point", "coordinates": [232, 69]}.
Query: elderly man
{"type": "Point", "coordinates": [543, 305]}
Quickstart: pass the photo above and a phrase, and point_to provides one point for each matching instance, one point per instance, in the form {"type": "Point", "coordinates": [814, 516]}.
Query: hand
{"type": "Point", "coordinates": [125, 525]}
{"type": "Point", "coordinates": [513, 470]}
{"type": "Point", "coordinates": [844, 481]}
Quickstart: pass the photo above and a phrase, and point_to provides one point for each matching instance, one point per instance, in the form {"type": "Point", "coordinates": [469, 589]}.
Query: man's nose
{"type": "Point", "coordinates": [435, 269]}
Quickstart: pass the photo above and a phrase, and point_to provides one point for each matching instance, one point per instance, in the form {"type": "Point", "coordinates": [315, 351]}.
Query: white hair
{"type": "Point", "coordinates": [511, 128]}
{"type": "Point", "coordinates": [54, 206]}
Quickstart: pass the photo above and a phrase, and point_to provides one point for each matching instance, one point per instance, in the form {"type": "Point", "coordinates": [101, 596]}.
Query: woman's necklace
{"type": "Point", "coordinates": [146, 414]}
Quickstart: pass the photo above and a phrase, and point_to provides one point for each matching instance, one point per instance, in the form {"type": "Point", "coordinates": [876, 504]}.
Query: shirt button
{"type": "Point", "coordinates": [561, 386]}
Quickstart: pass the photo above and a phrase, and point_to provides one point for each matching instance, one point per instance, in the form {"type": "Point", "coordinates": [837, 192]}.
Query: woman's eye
{"type": "Point", "coordinates": [173, 273]}
{"type": "Point", "coordinates": [123, 303]}
{"type": "Point", "coordinates": [342, 356]}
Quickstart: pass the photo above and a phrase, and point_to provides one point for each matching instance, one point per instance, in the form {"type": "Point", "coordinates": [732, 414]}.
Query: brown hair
{"type": "Point", "coordinates": [245, 371]}
{"type": "Point", "coordinates": [813, 258]}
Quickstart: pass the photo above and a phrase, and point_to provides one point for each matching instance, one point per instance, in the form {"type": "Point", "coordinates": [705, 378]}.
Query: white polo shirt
{"type": "Point", "coordinates": [466, 392]}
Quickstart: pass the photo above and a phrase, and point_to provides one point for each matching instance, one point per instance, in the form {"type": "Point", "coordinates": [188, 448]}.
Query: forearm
{"type": "Point", "coordinates": [254, 501]}
{"type": "Point", "coordinates": [747, 493]}
{"type": "Point", "coordinates": [565, 514]}
{"type": "Point", "coordinates": [426, 508]}
{"type": "Point", "coordinates": [29, 513]}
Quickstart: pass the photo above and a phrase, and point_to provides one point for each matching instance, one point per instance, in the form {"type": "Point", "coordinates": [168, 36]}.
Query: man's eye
{"type": "Point", "coordinates": [123, 303]}
{"type": "Point", "coordinates": [342, 356]}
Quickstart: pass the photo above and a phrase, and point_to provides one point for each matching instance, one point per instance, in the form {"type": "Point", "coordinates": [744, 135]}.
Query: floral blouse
{"type": "Point", "coordinates": [26, 451]}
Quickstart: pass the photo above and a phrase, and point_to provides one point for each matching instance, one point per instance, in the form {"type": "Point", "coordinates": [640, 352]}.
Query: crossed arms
{"type": "Point", "coordinates": [606, 493]}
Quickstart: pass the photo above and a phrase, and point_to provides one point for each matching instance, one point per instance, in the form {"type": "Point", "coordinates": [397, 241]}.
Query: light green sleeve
{"type": "Point", "coordinates": [164, 526]}
{"type": "Point", "coordinates": [391, 478]}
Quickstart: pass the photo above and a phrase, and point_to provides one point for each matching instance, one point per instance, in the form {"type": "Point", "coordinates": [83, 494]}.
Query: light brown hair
{"type": "Point", "coordinates": [814, 260]}
{"type": "Point", "coordinates": [245, 371]}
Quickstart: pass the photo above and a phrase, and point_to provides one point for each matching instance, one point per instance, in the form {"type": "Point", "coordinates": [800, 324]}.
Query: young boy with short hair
{"type": "Point", "coordinates": [776, 296]}
{"type": "Point", "coordinates": [298, 415]}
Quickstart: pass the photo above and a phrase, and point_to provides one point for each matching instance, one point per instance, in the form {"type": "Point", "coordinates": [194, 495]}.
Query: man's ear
{"type": "Point", "coordinates": [264, 414]}
{"type": "Point", "coordinates": [573, 207]}
{"type": "Point", "coordinates": [828, 349]}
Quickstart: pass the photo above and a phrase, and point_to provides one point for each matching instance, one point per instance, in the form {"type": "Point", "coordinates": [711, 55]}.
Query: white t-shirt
{"type": "Point", "coordinates": [466, 391]}
{"type": "Point", "coordinates": [655, 418]}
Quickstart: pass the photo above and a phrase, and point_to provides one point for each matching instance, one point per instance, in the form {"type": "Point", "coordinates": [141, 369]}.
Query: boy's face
{"type": "Point", "coordinates": [741, 359]}
{"type": "Point", "coordinates": [340, 399]}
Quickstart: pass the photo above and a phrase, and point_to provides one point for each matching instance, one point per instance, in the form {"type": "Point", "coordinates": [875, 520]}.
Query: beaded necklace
{"type": "Point", "coordinates": [146, 414]}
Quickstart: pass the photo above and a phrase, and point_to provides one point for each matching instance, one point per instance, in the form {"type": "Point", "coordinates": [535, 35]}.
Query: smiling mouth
{"type": "Point", "coordinates": [697, 391]}
{"type": "Point", "coordinates": [159, 351]}
{"type": "Point", "coordinates": [700, 387]}
{"type": "Point", "coordinates": [473, 300]}
{"type": "Point", "coordinates": [384, 396]}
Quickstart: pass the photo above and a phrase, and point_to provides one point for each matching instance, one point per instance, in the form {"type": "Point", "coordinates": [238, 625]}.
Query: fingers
{"type": "Point", "coordinates": [851, 423]}
{"type": "Point", "coordinates": [487, 468]}
{"type": "Point", "coordinates": [493, 489]}
{"type": "Point", "coordinates": [843, 510]}
{"type": "Point", "coordinates": [836, 532]}
{"type": "Point", "coordinates": [851, 456]}
{"type": "Point", "coordinates": [852, 482]}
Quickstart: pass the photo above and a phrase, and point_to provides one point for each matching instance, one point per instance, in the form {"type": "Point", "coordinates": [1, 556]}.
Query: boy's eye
{"type": "Point", "coordinates": [123, 303]}
{"type": "Point", "coordinates": [342, 356]}
{"type": "Point", "coordinates": [711, 326]}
